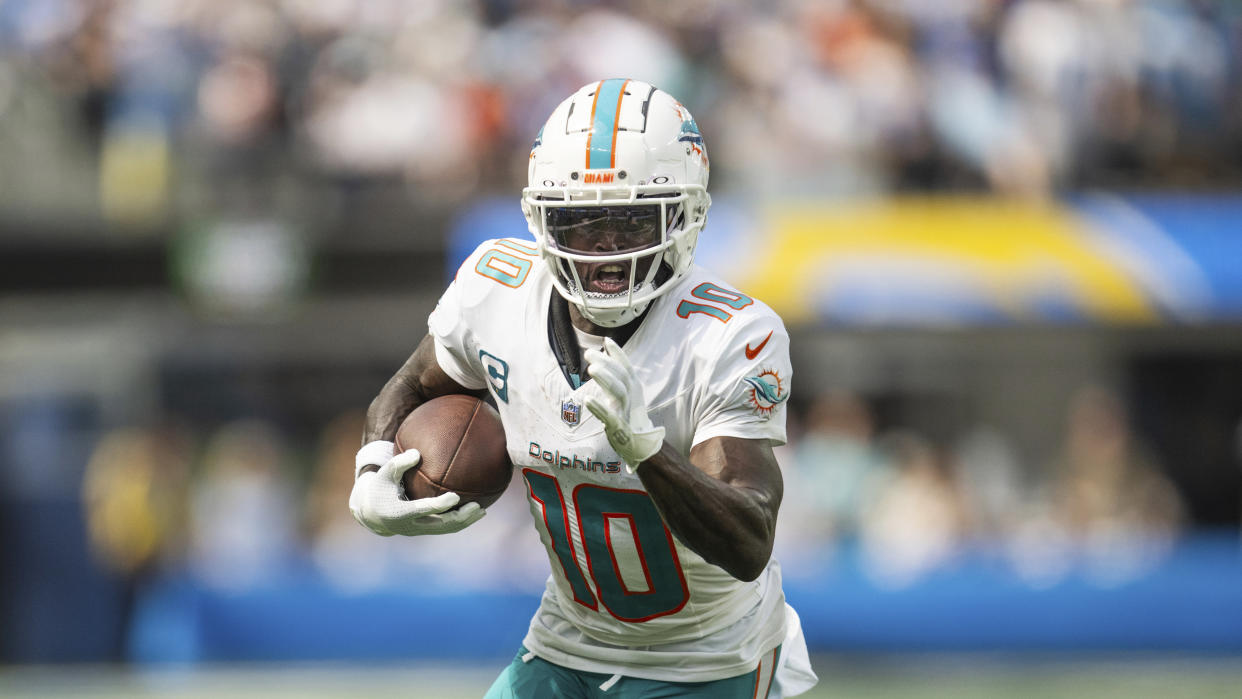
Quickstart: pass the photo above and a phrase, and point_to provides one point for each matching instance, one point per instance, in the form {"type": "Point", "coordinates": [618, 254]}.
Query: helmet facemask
{"type": "Point", "coordinates": [611, 256]}
{"type": "Point", "coordinates": [618, 179]}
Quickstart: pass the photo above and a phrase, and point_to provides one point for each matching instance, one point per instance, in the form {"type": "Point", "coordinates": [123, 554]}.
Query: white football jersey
{"type": "Point", "coordinates": [624, 596]}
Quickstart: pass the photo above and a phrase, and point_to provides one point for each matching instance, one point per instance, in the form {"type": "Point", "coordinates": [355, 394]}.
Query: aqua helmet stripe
{"type": "Point", "coordinates": [604, 111]}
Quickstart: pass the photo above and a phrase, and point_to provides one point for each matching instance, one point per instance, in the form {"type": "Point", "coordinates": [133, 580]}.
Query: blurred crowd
{"type": "Point", "coordinates": [241, 506]}
{"type": "Point", "coordinates": [148, 107]}
{"type": "Point", "coordinates": [1099, 503]}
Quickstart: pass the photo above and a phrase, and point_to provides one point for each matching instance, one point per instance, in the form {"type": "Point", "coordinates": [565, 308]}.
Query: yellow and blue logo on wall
{"type": "Point", "coordinates": [951, 261]}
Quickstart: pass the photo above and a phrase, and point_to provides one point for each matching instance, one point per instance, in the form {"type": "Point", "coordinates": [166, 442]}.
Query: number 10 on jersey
{"type": "Point", "coordinates": [603, 513]}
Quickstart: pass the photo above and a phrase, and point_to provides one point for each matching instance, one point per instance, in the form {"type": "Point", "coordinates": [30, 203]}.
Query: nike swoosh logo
{"type": "Point", "coordinates": [752, 353]}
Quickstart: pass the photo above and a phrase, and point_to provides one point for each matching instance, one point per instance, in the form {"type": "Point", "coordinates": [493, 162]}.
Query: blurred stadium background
{"type": "Point", "coordinates": [1006, 236]}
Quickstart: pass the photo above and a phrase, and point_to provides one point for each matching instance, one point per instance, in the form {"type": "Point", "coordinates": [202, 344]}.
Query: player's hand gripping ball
{"type": "Point", "coordinates": [379, 503]}
{"type": "Point", "coordinates": [464, 443]}
{"type": "Point", "coordinates": [461, 447]}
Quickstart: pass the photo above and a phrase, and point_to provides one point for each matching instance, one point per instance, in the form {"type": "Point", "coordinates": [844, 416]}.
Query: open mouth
{"type": "Point", "coordinates": [608, 278]}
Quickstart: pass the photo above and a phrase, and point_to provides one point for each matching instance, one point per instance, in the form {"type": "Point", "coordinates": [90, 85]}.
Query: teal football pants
{"type": "Point", "coordinates": [540, 679]}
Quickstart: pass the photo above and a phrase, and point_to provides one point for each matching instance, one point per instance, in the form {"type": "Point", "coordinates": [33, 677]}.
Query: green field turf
{"type": "Point", "coordinates": [926, 677]}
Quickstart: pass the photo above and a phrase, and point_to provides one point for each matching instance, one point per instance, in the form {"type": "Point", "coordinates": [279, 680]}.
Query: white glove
{"type": "Point", "coordinates": [378, 502]}
{"type": "Point", "coordinates": [623, 410]}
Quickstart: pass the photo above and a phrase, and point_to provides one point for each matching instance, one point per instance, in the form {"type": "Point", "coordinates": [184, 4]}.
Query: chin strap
{"type": "Point", "coordinates": [564, 341]}
{"type": "Point", "coordinates": [623, 315]}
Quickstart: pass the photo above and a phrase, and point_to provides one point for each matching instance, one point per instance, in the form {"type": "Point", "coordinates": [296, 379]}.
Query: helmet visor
{"type": "Point", "coordinates": [605, 230]}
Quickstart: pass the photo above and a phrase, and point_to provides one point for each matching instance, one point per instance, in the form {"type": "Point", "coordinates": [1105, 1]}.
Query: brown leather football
{"type": "Point", "coordinates": [463, 450]}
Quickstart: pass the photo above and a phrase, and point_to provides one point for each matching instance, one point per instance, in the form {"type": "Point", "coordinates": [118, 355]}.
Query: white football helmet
{"type": "Point", "coordinates": [616, 197]}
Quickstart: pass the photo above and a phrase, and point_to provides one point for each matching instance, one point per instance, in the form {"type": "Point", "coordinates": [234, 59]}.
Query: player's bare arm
{"type": "Point", "coordinates": [418, 380]}
{"type": "Point", "coordinates": [721, 502]}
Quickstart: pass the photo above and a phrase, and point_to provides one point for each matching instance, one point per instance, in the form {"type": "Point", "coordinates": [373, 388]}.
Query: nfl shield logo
{"type": "Point", "coordinates": [570, 412]}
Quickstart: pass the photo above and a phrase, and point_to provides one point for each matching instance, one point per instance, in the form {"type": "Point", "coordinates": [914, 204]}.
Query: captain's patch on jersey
{"type": "Point", "coordinates": [497, 374]}
{"type": "Point", "coordinates": [766, 391]}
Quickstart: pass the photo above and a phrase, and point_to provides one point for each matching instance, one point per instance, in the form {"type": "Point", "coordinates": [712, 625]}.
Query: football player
{"type": "Point", "coordinates": [657, 503]}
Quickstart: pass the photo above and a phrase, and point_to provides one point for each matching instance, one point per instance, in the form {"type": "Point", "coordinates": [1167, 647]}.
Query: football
{"type": "Point", "coordinates": [463, 450]}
